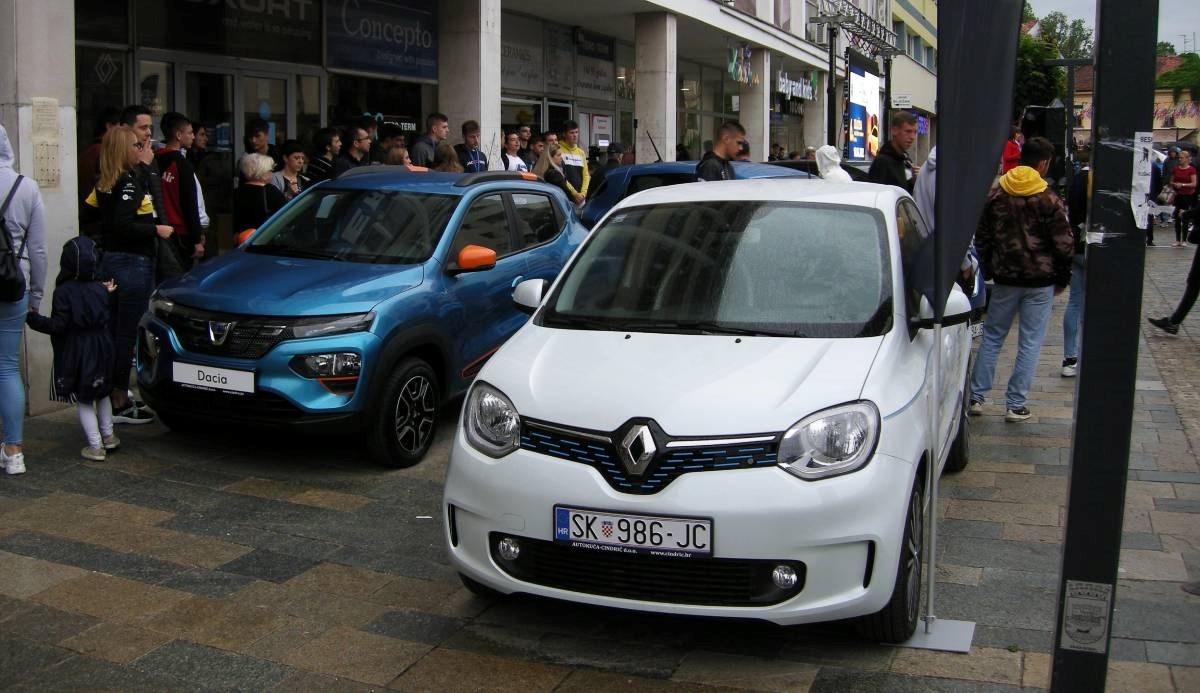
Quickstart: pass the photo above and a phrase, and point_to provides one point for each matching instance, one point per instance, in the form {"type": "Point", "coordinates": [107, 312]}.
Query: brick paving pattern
{"type": "Point", "coordinates": [258, 563]}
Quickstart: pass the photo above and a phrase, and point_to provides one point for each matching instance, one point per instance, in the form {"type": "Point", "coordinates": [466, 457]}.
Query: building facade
{"type": "Point", "coordinates": [914, 68]}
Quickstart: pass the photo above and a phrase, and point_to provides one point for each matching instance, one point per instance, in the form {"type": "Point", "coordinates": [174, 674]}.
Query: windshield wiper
{"type": "Point", "coordinates": [711, 327]}
{"type": "Point", "coordinates": [286, 251]}
{"type": "Point", "coordinates": [579, 322]}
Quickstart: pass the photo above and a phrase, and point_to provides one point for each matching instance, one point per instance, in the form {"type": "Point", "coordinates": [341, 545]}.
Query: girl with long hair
{"type": "Point", "coordinates": [549, 168]}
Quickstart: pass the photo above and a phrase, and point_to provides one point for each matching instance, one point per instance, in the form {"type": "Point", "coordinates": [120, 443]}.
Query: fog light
{"type": "Point", "coordinates": [784, 577]}
{"type": "Point", "coordinates": [509, 549]}
{"type": "Point", "coordinates": [150, 341]}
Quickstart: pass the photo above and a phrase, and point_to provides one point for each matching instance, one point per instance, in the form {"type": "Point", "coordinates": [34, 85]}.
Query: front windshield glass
{"type": "Point", "coordinates": [731, 267]}
{"type": "Point", "coordinates": [380, 226]}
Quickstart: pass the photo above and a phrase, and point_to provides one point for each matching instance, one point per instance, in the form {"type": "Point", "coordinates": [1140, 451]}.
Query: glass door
{"type": "Point", "coordinates": [266, 98]}
{"type": "Point", "coordinates": [517, 112]}
{"type": "Point", "coordinates": [557, 112]}
{"type": "Point", "coordinates": [208, 101]}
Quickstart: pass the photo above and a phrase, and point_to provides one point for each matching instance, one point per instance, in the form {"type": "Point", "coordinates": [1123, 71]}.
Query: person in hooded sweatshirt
{"type": "Point", "coordinates": [829, 165]}
{"type": "Point", "coordinates": [923, 194]}
{"type": "Point", "coordinates": [25, 220]}
{"type": "Point", "coordinates": [1026, 246]}
{"type": "Point", "coordinates": [83, 346]}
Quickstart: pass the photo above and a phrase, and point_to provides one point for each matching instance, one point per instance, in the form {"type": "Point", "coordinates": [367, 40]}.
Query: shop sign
{"type": "Point", "coordinates": [595, 79]}
{"type": "Point", "coordinates": [393, 37]}
{"type": "Point", "coordinates": [521, 54]}
{"type": "Point", "coordinates": [901, 100]}
{"type": "Point", "coordinates": [560, 60]}
{"type": "Point", "coordinates": [284, 30]}
{"type": "Point", "coordinates": [593, 45]}
{"type": "Point", "coordinates": [795, 88]}
{"type": "Point", "coordinates": [922, 125]}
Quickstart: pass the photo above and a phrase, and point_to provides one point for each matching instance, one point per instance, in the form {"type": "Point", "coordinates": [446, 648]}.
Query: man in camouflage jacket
{"type": "Point", "coordinates": [1026, 245]}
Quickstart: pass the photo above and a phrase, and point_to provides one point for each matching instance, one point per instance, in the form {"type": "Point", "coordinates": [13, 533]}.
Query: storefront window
{"type": "Point", "coordinates": [710, 91]}
{"type": "Point", "coordinates": [266, 98]}
{"type": "Point", "coordinates": [689, 86]}
{"type": "Point", "coordinates": [102, 20]}
{"type": "Point", "coordinates": [100, 82]}
{"type": "Point", "coordinates": [689, 136]}
{"type": "Point", "coordinates": [156, 90]}
{"type": "Point", "coordinates": [732, 94]}
{"type": "Point", "coordinates": [387, 100]}
{"type": "Point", "coordinates": [514, 113]}
{"type": "Point", "coordinates": [308, 107]}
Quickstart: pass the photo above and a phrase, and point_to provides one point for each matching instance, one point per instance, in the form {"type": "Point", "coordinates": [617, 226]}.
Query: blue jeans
{"type": "Point", "coordinates": [12, 390]}
{"type": "Point", "coordinates": [1073, 318]}
{"type": "Point", "coordinates": [135, 281]}
{"type": "Point", "coordinates": [1033, 306]}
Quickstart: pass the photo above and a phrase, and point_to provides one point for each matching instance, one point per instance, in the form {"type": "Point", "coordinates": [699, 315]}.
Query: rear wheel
{"type": "Point", "coordinates": [406, 420]}
{"type": "Point", "coordinates": [897, 621]}
{"type": "Point", "coordinates": [960, 447]}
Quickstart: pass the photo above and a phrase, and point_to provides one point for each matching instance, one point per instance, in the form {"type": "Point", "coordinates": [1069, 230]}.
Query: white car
{"type": "Point", "coordinates": [722, 407]}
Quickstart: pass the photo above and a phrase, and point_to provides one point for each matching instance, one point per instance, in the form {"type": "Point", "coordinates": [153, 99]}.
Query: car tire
{"type": "Point", "coordinates": [478, 588]}
{"type": "Point", "coordinates": [405, 421]}
{"type": "Point", "coordinates": [897, 621]}
{"type": "Point", "coordinates": [960, 448]}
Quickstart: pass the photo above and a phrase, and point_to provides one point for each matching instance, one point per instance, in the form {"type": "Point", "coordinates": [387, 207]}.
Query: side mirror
{"type": "Point", "coordinates": [958, 311]}
{"type": "Point", "coordinates": [475, 258]}
{"type": "Point", "coordinates": [529, 294]}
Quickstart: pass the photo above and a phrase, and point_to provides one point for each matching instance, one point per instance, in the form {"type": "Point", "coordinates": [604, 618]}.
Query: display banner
{"type": "Point", "coordinates": [391, 37]}
{"type": "Point", "coordinates": [521, 54]}
{"type": "Point", "coordinates": [284, 30]}
{"type": "Point", "coordinates": [864, 109]}
{"type": "Point", "coordinates": [560, 60]}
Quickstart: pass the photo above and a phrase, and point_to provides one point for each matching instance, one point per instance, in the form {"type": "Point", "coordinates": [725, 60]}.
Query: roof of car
{"type": "Point", "coordinates": [398, 177]}
{"type": "Point", "coordinates": [747, 169]}
{"type": "Point", "coordinates": [780, 189]}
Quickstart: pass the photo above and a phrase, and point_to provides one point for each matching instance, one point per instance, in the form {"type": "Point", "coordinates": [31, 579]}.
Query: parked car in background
{"type": "Point", "coordinates": [361, 306]}
{"type": "Point", "coordinates": [722, 407]}
{"type": "Point", "coordinates": [856, 169]}
{"type": "Point", "coordinates": [627, 180]}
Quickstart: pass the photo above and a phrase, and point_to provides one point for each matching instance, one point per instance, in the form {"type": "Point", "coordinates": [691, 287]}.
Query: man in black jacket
{"type": "Point", "coordinates": [728, 140]}
{"type": "Point", "coordinates": [892, 166]}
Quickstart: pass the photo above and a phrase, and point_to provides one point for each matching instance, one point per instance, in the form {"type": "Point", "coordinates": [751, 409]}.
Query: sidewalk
{"type": "Point", "coordinates": [258, 563]}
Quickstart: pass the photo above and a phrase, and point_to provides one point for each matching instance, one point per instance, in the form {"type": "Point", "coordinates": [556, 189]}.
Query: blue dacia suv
{"type": "Point", "coordinates": [359, 307]}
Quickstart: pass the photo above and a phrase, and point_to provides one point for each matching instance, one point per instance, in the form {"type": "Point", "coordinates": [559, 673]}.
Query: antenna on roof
{"type": "Point", "coordinates": [656, 152]}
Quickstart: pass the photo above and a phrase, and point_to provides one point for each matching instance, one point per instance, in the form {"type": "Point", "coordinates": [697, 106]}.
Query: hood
{"type": "Point", "coordinates": [248, 283]}
{"type": "Point", "coordinates": [828, 160]}
{"type": "Point", "coordinates": [6, 152]}
{"type": "Point", "coordinates": [1022, 181]}
{"type": "Point", "coordinates": [689, 384]}
{"type": "Point", "coordinates": [78, 261]}
{"type": "Point", "coordinates": [930, 161]}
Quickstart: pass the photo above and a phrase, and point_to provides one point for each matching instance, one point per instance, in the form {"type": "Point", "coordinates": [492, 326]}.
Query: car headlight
{"type": "Point", "coordinates": [327, 325]}
{"type": "Point", "coordinates": [830, 442]}
{"type": "Point", "coordinates": [492, 424]}
{"type": "Point", "coordinates": [161, 307]}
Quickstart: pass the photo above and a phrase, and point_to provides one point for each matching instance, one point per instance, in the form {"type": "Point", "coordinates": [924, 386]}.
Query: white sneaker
{"type": "Point", "coordinates": [95, 454]}
{"type": "Point", "coordinates": [110, 442]}
{"type": "Point", "coordinates": [13, 464]}
{"type": "Point", "coordinates": [975, 408]}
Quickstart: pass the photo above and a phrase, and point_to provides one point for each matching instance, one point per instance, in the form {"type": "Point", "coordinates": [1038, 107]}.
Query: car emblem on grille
{"type": "Point", "coordinates": [218, 332]}
{"type": "Point", "coordinates": [637, 449]}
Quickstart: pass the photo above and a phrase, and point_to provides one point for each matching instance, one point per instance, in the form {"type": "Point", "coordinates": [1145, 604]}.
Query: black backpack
{"type": "Point", "coordinates": [12, 280]}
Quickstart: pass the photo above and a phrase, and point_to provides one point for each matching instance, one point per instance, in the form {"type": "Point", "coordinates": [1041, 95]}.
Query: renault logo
{"type": "Point", "coordinates": [218, 332]}
{"type": "Point", "coordinates": [637, 449]}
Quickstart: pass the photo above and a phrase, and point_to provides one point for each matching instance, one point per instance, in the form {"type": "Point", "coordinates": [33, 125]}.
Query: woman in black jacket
{"type": "Point", "coordinates": [128, 233]}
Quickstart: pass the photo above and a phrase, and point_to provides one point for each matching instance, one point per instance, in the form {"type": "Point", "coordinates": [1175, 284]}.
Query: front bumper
{"type": "Point", "coordinates": [843, 532]}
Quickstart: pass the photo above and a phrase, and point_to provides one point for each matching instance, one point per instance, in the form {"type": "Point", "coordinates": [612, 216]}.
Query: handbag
{"type": "Point", "coordinates": [12, 279]}
{"type": "Point", "coordinates": [1166, 196]}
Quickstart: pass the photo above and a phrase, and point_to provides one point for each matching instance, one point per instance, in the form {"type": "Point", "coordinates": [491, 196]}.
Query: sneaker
{"type": "Point", "coordinates": [95, 454]}
{"type": "Point", "coordinates": [1018, 414]}
{"type": "Point", "coordinates": [132, 414]}
{"type": "Point", "coordinates": [13, 464]}
{"type": "Point", "coordinates": [1069, 367]}
{"type": "Point", "coordinates": [110, 442]}
{"type": "Point", "coordinates": [975, 408]}
{"type": "Point", "coordinates": [1165, 325]}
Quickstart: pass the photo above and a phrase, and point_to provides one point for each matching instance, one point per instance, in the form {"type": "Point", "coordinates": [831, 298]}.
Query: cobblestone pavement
{"type": "Point", "coordinates": [257, 563]}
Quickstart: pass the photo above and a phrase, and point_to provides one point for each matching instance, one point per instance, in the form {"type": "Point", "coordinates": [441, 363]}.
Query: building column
{"type": "Point", "coordinates": [754, 113]}
{"type": "Point", "coordinates": [655, 113]}
{"type": "Point", "coordinates": [39, 49]}
{"type": "Point", "coordinates": [814, 114]}
{"type": "Point", "coordinates": [469, 71]}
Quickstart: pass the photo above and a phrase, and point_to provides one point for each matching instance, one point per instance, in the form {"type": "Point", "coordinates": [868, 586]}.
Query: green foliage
{"type": "Point", "coordinates": [1164, 48]}
{"type": "Point", "coordinates": [1186, 76]}
{"type": "Point", "coordinates": [1027, 14]}
{"type": "Point", "coordinates": [1073, 39]}
{"type": "Point", "coordinates": [1036, 84]}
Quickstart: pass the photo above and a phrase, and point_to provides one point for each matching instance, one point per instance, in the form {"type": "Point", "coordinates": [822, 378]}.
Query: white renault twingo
{"type": "Point", "coordinates": [722, 407]}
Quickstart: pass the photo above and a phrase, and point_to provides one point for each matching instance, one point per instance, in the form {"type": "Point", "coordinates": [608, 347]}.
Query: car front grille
{"type": "Point", "coordinates": [247, 338]}
{"type": "Point", "coordinates": [597, 450]}
{"type": "Point", "coordinates": [697, 581]}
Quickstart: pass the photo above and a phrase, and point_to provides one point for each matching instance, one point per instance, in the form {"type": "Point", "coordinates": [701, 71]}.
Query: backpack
{"type": "Point", "coordinates": [12, 279]}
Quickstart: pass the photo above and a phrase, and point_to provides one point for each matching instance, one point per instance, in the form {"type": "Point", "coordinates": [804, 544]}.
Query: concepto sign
{"type": "Point", "coordinates": [403, 35]}
{"type": "Point", "coordinates": [802, 88]}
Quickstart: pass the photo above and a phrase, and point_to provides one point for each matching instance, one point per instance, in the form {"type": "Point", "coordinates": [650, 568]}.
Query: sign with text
{"type": "Point", "coordinates": [594, 79]}
{"type": "Point", "coordinates": [560, 60]}
{"type": "Point", "coordinates": [521, 54]}
{"type": "Point", "coordinates": [392, 37]}
{"type": "Point", "coordinates": [864, 114]}
{"type": "Point", "coordinates": [286, 30]}
{"type": "Point", "coordinates": [901, 100]}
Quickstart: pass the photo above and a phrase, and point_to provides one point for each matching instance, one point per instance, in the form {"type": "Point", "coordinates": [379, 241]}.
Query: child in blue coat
{"type": "Point", "coordinates": [83, 346]}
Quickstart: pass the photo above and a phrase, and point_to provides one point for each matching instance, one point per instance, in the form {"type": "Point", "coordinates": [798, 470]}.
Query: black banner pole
{"type": "Point", "coordinates": [831, 90]}
{"type": "Point", "coordinates": [1124, 93]}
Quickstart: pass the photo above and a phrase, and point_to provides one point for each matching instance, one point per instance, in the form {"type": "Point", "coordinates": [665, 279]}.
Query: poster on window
{"type": "Point", "coordinates": [560, 60]}
{"type": "Point", "coordinates": [864, 135]}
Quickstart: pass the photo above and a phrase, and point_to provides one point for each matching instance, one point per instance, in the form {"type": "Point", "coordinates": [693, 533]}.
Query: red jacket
{"type": "Point", "coordinates": [1012, 156]}
{"type": "Point", "coordinates": [179, 194]}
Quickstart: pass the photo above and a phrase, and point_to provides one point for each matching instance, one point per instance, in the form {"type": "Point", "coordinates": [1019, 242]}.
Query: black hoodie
{"type": "Point", "coordinates": [713, 167]}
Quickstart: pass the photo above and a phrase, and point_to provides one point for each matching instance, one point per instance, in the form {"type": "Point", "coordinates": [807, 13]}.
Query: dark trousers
{"type": "Point", "coordinates": [134, 275]}
{"type": "Point", "coordinates": [1190, 291]}
{"type": "Point", "coordinates": [1183, 206]}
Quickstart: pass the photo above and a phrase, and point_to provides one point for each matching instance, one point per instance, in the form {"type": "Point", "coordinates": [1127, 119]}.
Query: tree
{"type": "Point", "coordinates": [1164, 48]}
{"type": "Point", "coordinates": [1027, 14]}
{"type": "Point", "coordinates": [1036, 84]}
{"type": "Point", "coordinates": [1186, 76]}
{"type": "Point", "coordinates": [1073, 39]}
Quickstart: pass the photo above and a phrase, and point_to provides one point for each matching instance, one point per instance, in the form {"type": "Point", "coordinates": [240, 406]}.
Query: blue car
{"type": "Point", "coordinates": [623, 181]}
{"type": "Point", "coordinates": [359, 307]}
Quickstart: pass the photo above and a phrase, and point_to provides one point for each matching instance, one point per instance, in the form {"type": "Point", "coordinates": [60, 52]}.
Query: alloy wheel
{"type": "Point", "coordinates": [912, 554]}
{"type": "Point", "coordinates": [416, 414]}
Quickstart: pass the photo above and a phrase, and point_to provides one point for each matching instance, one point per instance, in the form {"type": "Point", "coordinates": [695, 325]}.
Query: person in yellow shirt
{"type": "Point", "coordinates": [574, 162]}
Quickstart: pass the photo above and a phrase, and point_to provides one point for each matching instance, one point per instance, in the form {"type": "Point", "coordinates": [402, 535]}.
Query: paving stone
{"type": "Point", "coordinates": [89, 557]}
{"type": "Point", "coordinates": [169, 496]}
{"type": "Point", "coordinates": [958, 574]}
{"type": "Point", "coordinates": [1036, 670]}
{"type": "Point", "coordinates": [217, 668]}
{"type": "Point", "coordinates": [969, 528]}
{"type": "Point", "coordinates": [1186, 678]}
{"type": "Point", "coordinates": [1156, 620]}
{"type": "Point", "coordinates": [430, 596]}
{"type": "Point", "coordinates": [834, 680]}
{"type": "Point", "coordinates": [1177, 505]}
{"type": "Point", "coordinates": [1139, 676]}
{"type": "Point", "coordinates": [308, 682]}
{"type": "Point", "coordinates": [46, 624]}
{"type": "Point", "coordinates": [497, 641]}
{"type": "Point", "coordinates": [214, 584]}
{"type": "Point", "coordinates": [839, 652]}
{"type": "Point", "coordinates": [22, 576]}
{"type": "Point", "coordinates": [392, 563]}
{"type": "Point", "coordinates": [10, 607]}
{"type": "Point", "coordinates": [1152, 565]}
{"type": "Point", "coordinates": [750, 673]}
{"type": "Point", "coordinates": [1002, 605]}
{"type": "Point", "coordinates": [330, 500]}
{"type": "Point", "coordinates": [994, 511]}
{"type": "Point", "coordinates": [1013, 639]}
{"type": "Point", "coordinates": [1032, 533]}
{"type": "Point", "coordinates": [985, 553]}
{"type": "Point", "coordinates": [81, 673]}
{"type": "Point", "coordinates": [125, 512]}
{"type": "Point", "coordinates": [1182, 653]}
{"type": "Point", "coordinates": [264, 488]}
{"type": "Point", "coordinates": [197, 476]}
{"type": "Point", "coordinates": [290, 636]}
{"type": "Point", "coordinates": [585, 681]}
{"type": "Point", "coordinates": [221, 624]}
{"type": "Point", "coordinates": [611, 655]}
{"type": "Point", "coordinates": [1180, 524]}
{"type": "Point", "coordinates": [416, 626]}
{"type": "Point", "coordinates": [353, 654]}
{"type": "Point", "coordinates": [1141, 540]}
{"type": "Point", "coordinates": [341, 579]}
{"type": "Point", "coordinates": [110, 598]}
{"type": "Point", "coordinates": [115, 642]}
{"type": "Point", "coordinates": [268, 565]}
{"type": "Point", "coordinates": [1174, 477]}
{"type": "Point", "coordinates": [24, 659]}
{"type": "Point", "coordinates": [980, 664]}
{"type": "Point", "coordinates": [1127, 650]}
{"type": "Point", "coordinates": [476, 672]}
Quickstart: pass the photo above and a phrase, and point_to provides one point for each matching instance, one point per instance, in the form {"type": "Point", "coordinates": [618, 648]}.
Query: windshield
{"type": "Point", "coordinates": [381, 226]}
{"type": "Point", "coordinates": [733, 267]}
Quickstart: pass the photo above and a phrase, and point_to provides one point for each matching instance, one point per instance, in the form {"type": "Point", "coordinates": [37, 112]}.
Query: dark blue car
{"type": "Point", "coordinates": [359, 307]}
{"type": "Point", "coordinates": [623, 181]}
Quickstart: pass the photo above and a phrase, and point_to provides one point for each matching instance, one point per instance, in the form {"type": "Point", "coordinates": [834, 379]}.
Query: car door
{"type": "Point", "coordinates": [486, 315]}
{"type": "Point", "coordinates": [540, 224]}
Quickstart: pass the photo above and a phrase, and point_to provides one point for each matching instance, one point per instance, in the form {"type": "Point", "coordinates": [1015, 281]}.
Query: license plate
{"type": "Point", "coordinates": [678, 537]}
{"type": "Point", "coordinates": [210, 378]}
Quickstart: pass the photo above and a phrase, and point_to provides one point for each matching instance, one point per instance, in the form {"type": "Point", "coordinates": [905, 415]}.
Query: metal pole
{"type": "Point", "coordinates": [831, 90]}
{"type": "Point", "coordinates": [1126, 32]}
{"type": "Point", "coordinates": [1069, 135]}
{"type": "Point", "coordinates": [931, 469]}
{"type": "Point", "coordinates": [884, 127]}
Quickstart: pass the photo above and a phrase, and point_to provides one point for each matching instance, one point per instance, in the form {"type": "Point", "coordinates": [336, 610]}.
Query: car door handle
{"type": "Point", "coordinates": [516, 281]}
